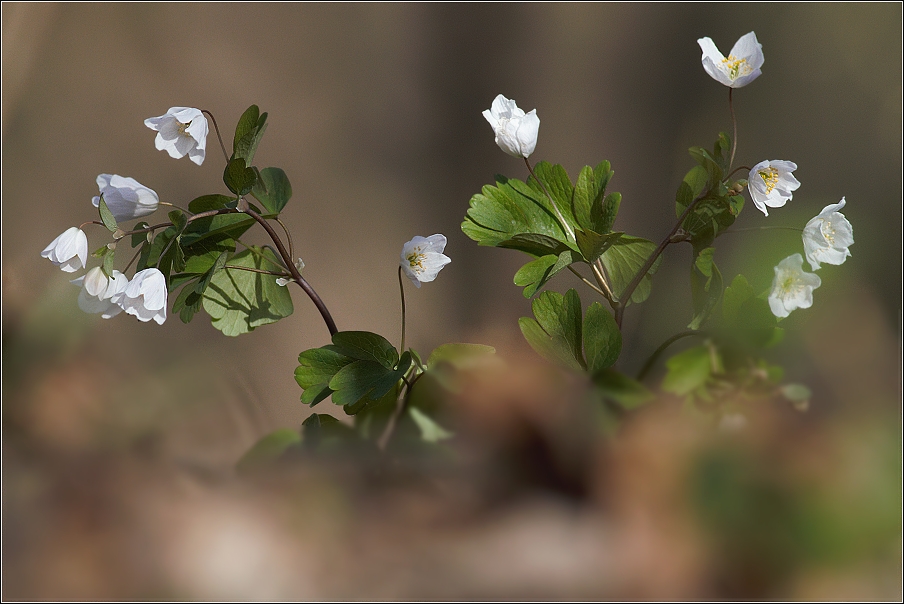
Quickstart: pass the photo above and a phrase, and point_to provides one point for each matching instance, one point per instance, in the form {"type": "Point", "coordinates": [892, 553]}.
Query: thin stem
{"type": "Point", "coordinates": [600, 271]}
{"type": "Point", "coordinates": [653, 357]}
{"type": "Point", "coordinates": [734, 129]}
{"type": "Point", "coordinates": [586, 281]}
{"type": "Point", "coordinates": [84, 224]}
{"type": "Point", "coordinates": [555, 208]}
{"type": "Point", "coordinates": [288, 237]}
{"type": "Point", "coordinates": [401, 403]}
{"type": "Point", "coordinates": [293, 270]}
{"type": "Point", "coordinates": [402, 294]}
{"type": "Point", "coordinates": [629, 290]}
{"type": "Point", "coordinates": [134, 258]}
{"type": "Point", "coordinates": [217, 129]}
{"type": "Point", "coordinates": [730, 174]}
{"type": "Point", "coordinates": [172, 205]}
{"type": "Point", "coordinates": [258, 270]}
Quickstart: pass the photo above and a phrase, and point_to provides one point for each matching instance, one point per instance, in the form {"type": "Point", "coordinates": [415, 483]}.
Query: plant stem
{"type": "Point", "coordinates": [587, 281]}
{"type": "Point", "coordinates": [653, 357]}
{"type": "Point", "coordinates": [402, 294]}
{"type": "Point", "coordinates": [84, 224]}
{"type": "Point", "coordinates": [401, 403]}
{"type": "Point", "coordinates": [258, 270]}
{"type": "Point", "coordinates": [565, 227]}
{"type": "Point", "coordinates": [734, 129]}
{"type": "Point", "coordinates": [293, 270]}
{"type": "Point", "coordinates": [217, 129]}
{"type": "Point", "coordinates": [626, 295]}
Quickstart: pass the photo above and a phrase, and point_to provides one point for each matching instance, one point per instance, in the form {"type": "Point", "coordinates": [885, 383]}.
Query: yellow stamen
{"type": "Point", "coordinates": [736, 67]}
{"type": "Point", "coordinates": [770, 178]}
{"type": "Point", "coordinates": [828, 231]}
{"type": "Point", "coordinates": [416, 260]}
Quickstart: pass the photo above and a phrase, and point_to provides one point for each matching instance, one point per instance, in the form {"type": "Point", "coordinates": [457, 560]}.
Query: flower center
{"type": "Point", "coordinates": [735, 67]}
{"type": "Point", "coordinates": [416, 260]}
{"type": "Point", "coordinates": [828, 231]}
{"type": "Point", "coordinates": [183, 128]}
{"type": "Point", "coordinates": [770, 178]}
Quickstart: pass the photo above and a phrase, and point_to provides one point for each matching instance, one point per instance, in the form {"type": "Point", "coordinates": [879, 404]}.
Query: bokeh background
{"type": "Point", "coordinates": [119, 437]}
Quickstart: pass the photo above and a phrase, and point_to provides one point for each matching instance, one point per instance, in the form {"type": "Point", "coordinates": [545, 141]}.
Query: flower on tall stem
{"type": "Point", "coordinates": [422, 258]}
{"type": "Point", "coordinates": [792, 288]}
{"type": "Point", "coordinates": [771, 184]}
{"type": "Point", "coordinates": [740, 67]}
{"type": "Point", "coordinates": [516, 131]}
{"type": "Point", "coordinates": [145, 296]}
{"type": "Point", "coordinates": [69, 250]}
{"type": "Point", "coordinates": [98, 291]}
{"type": "Point", "coordinates": [828, 236]}
{"type": "Point", "coordinates": [126, 198]}
{"type": "Point", "coordinates": [181, 131]}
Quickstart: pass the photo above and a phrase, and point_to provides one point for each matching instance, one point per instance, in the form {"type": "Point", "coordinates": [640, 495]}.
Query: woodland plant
{"type": "Point", "coordinates": [195, 260]}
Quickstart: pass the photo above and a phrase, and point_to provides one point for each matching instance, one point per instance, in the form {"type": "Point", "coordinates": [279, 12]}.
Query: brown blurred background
{"type": "Point", "coordinates": [375, 117]}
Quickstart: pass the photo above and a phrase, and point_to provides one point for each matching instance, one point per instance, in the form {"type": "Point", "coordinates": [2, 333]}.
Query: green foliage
{"type": "Point", "coordinates": [238, 301]}
{"type": "Point", "coordinates": [706, 287]}
{"type": "Point", "coordinates": [617, 387]}
{"type": "Point", "coordinates": [238, 178]}
{"type": "Point", "coordinates": [559, 334]}
{"type": "Point", "coordinates": [458, 354]}
{"type": "Point", "coordinates": [206, 203]}
{"type": "Point", "coordinates": [624, 260]}
{"type": "Point", "coordinates": [272, 189]}
{"type": "Point", "coordinates": [106, 216]}
{"type": "Point", "coordinates": [689, 371]}
{"type": "Point", "coordinates": [267, 450]}
{"type": "Point", "coordinates": [431, 432]}
{"type": "Point", "coordinates": [248, 133]}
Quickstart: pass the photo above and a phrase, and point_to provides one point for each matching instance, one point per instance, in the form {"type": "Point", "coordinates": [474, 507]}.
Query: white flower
{"type": "Point", "coordinates": [126, 198]}
{"type": "Point", "coordinates": [144, 296]}
{"type": "Point", "coordinates": [97, 291]}
{"type": "Point", "coordinates": [69, 251]}
{"type": "Point", "coordinates": [792, 288]}
{"type": "Point", "coordinates": [516, 132]}
{"type": "Point", "coordinates": [828, 236]}
{"type": "Point", "coordinates": [771, 183]}
{"type": "Point", "coordinates": [742, 65]}
{"type": "Point", "coordinates": [181, 131]}
{"type": "Point", "coordinates": [422, 258]}
{"type": "Point", "coordinates": [282, 282]}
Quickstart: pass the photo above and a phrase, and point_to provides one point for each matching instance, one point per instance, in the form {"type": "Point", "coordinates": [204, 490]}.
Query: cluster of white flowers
{"type": "Point", "coordinates": [180, 131]}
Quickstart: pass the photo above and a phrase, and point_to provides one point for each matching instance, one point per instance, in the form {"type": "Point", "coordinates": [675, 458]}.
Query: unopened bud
{"type": "Point", "coordinates": [111, 246]}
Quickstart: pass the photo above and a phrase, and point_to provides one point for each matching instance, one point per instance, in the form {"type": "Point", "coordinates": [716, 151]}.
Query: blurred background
{"type": "Point", "coordinates": [119, 437]}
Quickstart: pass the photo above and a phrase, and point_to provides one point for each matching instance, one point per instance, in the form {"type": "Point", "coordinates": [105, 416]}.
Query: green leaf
{"type": "Point", "coordinates": [106, 216]}
{"type": "Point", "coordinates": [534, 244]}
{"type": "Point", "coordinates": [268, 449]}
{"type": "Point", "coordinates": [139, 238]}
{"type": "Point", "coordinates": [735, 295]}
{"type": "Point", "coordinates": [108, 264]}
{"type": "Point", "coordinates": [797, 394]}
{"type": "Point", "coordinates": [206, 203]}
{"type": "Point", "coordinates": [559, 186]}
{"type": "Point", "coordinates": [706, 287]}
{"type": "Point", "coordinates": [318, 366]}
{"type": "Point", "coordinates": [604, 213]}
{"type": "Point", "coordinates": [512, 208]}
{"type": "Point", "coordinates": [188, 302]}
{"type": "Point", "coordinates": [272, 189]}
{"type": "Point", "coordinates": [602, 338]}
{"type": "Point", "coordinates": [534, 275]}
{"type": "Point", "coordinates": [231, 226]}
{"type": "Point", "coordinates": [246, 125]}
{"type": "Point", "coordinates": [199, 257]}
{"type": "Point", "coordinates": [556, 332]}
{"type": "Point", "coordinates": [239, 301]}
{"type": "Point", "coordinates": [431, 432]}
{"type": "Point", "coordinates": [246, 147]}
{"type": "Point", "coordinates": [687, 371]}
{"type": "Point", "coordinates": [693, 185]}
{"type": "Point", "coordinates": [585, 191]}
{"type": "Point", "coordinates": [458, 354]}
{"type": "Point", "coordinates": [624, 259]}
{"type": "Point", "coordinates": [361, 378]}
{"type": "Point", "coordinates": [366, 346]}
{"type": "Point", "coordinates": [621, 389]}
{"type": "Point", "coordinates": [101, 251]}
{"type": "Point", "coordinates": [238, 178]}
{"type": "Point", "coordinates": [593, 244]}
{"type": "Point", "coordinates": [708, 163]}
{"type": "Point", "coordinates": [722, 151]}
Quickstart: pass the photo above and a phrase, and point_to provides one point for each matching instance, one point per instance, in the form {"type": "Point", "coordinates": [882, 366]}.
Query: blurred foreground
{"type": "Point", "coordinates": [530, 501]}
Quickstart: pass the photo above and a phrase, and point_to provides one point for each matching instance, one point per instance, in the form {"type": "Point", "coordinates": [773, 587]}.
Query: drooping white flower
{"type": "Point", "coordinates": [144, 296]}
{"type": "Point", "coordinates": [126, 198]}
{"type": "Point", "coordinates": [423, 258]}
{"type": "Point", "coordinates": [181, 131]}
{"type": "Point", "coordinates": [771, 184]}
{"type": "Point", "coordinates": [792, 288]}
{"type": "Point", "coordinates": [98, 291]}
{"type": "Point", "coordinates": [69, 250]}
{"type": "Point", "coordinates": [828, 236]}
{"type": "Point", "coordinates": [740, 67]}
{"type": "Point", "coordinates": [282, 282]}
{"type": "Point", "coordinates": [516, 131]}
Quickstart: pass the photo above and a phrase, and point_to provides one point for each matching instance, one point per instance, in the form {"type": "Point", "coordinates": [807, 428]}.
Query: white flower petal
{"type": "Point", "coordinates": [516, 132]}
{"type": "Point", "coordinates": [792, 288]}
{"type": "Point", "coordinates": [69, 251]}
